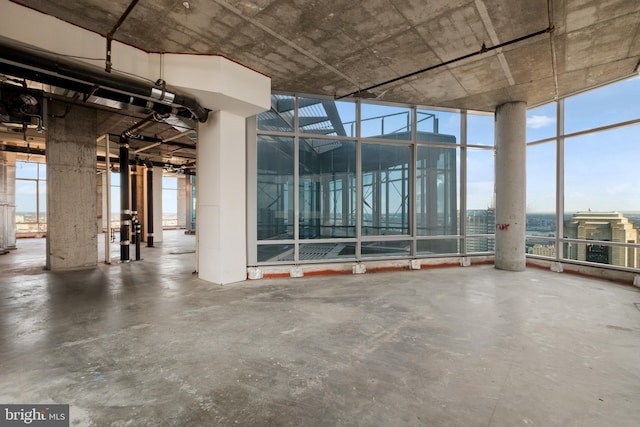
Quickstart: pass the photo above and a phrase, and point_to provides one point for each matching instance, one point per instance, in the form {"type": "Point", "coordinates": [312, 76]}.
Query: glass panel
{"type": "Point", "coordinates": [481, 218]}
{"type": "Point", "coordinates": [400, 248]}
{"type": "Point", "coordinates": [439, 246]}
{"type": "Point", "coordinates": [327, 117]}
{"type": "Point", "coordinates": [384, 121]}
{"type": "Point", "coordinates": [436, 191]}
{"type": "Point", "coordinates": [326, 251]}
{"type": "Point", "coordinates": [42, 201]}
{"type": "Point", "coordinates": [281, 115]}
{"type": "Point", "coordinates": [610, 104]}
{"type": "Point", "coordinates": [327, 188]}
{"type": "Point", "coordinates": [541, 190]}
{"type": "Point", "coordinates": [546, 248]}
{"type": "Point", "coordinates": [541, 122]}
{"type": "Point", "coordinates": [438, 126]}
{"type": "Point", "coordinates": [385, 189]}
{"type": "Point", "coordinates": [600, 253]}
{"type": "Point", "coordinates": [115, 199]}
{"type": "Point", "coordinates": [602, 195]}
{"type": "Point", "coordinates": [169, 201]}
{"type": "Point", "coordinates": [26, 170]}
{"type": "Point", "coordinates": [275, 187]}
{"type": "Point", "coordinates": [480, 129]}
{"type": "Point", "coordinates": [169, 207]}
{"type": "Point", "coordinates": [275, 253]}
{"type": "Point", "coordinates": [480, 244]}
{"type": "Point", "coordinates": [170, 182]}
{"type": "Point", "coordinates": [601, 171]}
{"type": "Point", "coordinates": [194, 204]}
{"type": "Point", "coordinates": [26, 201]}
{"type": "Point", "coordinates": [42, 171]}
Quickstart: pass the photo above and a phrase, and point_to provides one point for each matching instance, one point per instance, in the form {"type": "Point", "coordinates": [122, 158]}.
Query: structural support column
{"type": "Point", "coordinates": [125, 210]}
{"type": "Point", "coordinates": [149, 204]}
{"type": "Point", "coordinates": [7, 202]}
{"type": "Point", "coordinates": [182, 201]}
{"type": "Point", "coordinates": [157, 205]}
{"type": "Point", "coordinates": [511, 186]}
{"type": "Point", "coordinates": [221, 212]}
{"type": "Point", "coordinates": [71, 188]}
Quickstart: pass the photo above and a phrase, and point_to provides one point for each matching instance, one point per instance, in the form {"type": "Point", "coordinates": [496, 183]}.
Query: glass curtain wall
{"type": "Point", "coordinates": [583, 189]}
{"type": "Point", "coordinates": [353, 180]}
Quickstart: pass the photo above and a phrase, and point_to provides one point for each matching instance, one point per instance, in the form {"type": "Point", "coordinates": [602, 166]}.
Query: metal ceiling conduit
{"type": "Point", "coordinates": [364, 92]}
{"type": "Point", "coordinates": [24, 61]}
{"type": "Point", "coordinates": [113, 159]}
{"type": "Point", "coordinates": [113, 32]}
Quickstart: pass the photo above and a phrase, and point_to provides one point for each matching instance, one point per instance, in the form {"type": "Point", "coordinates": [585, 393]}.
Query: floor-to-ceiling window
{"type": "Point", "coordinates": [583, 189]}
{"type": "Point", "coordinates": [169, 202]}
{"type": "Point", "coordinates": [480, 220]}
{"type": "Point", "coordinates": [541, 180]}
{"type": "Point", "coordinates": [31, 199]}
{"type": "Point", "coordinates": [114, 182]}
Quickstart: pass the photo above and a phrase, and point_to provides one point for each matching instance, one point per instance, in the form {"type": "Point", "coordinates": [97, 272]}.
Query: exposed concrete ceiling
{"type": "Point", "coordinates": [335, 48]}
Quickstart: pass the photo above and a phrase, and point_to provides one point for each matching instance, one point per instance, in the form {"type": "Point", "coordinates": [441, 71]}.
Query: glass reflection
{"type": "Point", "coordinates": [327, 188]}
{"type": "Point", "coordinates": [385, 189]}
{"type": "Point", "coordinates": [275, 188]}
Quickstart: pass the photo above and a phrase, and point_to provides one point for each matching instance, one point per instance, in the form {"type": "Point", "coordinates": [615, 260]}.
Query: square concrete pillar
{"type": "Point", "coordinates": [71, 188]}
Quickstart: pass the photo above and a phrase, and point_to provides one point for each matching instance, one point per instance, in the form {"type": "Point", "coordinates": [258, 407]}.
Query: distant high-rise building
{"type": "Point", "coordinates": [543, 250]}
{"type": "Point", "coordinates": [481, 221]}
{"type": "Point", "coordinates": [603, 226]}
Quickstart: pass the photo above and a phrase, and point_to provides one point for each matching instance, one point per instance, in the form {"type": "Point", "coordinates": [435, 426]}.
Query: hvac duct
{"type": "Point", "coordinates": [24, 61]}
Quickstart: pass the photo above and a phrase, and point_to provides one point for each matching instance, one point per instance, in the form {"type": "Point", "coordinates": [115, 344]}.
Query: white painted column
{"type": "Point", "coordinates": [221, 183]}
{"type": "Point", "coordinates": [511, 186]}
{"type": "Point", "coordinates": [157, 205]}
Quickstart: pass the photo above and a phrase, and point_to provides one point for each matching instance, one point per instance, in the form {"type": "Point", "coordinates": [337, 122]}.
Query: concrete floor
{"type": "Point", "coordinates": [149, 344]}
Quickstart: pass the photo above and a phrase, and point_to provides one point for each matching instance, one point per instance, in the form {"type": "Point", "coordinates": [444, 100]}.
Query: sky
{"type": "Point", "coordinates": [601, 169]}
